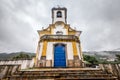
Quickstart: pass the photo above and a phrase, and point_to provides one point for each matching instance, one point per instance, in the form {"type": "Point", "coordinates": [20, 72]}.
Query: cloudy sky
{"type": "Point", "coordinates": [99, 21]}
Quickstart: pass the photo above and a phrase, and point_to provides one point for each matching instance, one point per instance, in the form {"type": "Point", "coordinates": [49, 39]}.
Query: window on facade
{"type": "Point", "coordinates": [59, 14]}
{"type": "Point", "coordinates": [59, 33]}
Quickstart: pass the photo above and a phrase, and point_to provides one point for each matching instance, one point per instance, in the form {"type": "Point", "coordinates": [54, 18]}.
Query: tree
{"type": "Point", "coordinates": [90, 59]}
{"type": "Point", "coordinates": [21, 56]}
{"type": "Point", "coordinates": [118, 57]}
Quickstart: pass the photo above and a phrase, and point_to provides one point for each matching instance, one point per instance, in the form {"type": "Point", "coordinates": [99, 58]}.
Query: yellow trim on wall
{"type": "Point", "coordinates": [44, 32]}
{"type": "Point", "coordinates": [74, 48]}
{"type": "Point", "coordinates": [51, 30]}
{"type": "Point", "coordinates": [44, 48]}
{"type": "Point", "coordinates": [66, 31]}
{"type": "Point", "coordinates": [71, 33]}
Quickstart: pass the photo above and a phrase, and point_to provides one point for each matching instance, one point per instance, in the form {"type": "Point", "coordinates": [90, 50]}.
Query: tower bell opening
{"type": "Point", "coordinates": [59, 14]}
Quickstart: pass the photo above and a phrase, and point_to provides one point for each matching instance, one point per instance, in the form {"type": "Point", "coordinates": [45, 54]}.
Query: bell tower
{"type": "Point", "coordinates": [59, 14]}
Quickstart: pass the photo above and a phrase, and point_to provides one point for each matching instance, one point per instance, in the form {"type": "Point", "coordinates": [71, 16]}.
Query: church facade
{"type": "Point", "coordinates": [59, 45]}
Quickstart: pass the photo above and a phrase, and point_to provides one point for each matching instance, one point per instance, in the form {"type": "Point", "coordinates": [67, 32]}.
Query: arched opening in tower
{"type": "Point", "coordinates": [59, 14]}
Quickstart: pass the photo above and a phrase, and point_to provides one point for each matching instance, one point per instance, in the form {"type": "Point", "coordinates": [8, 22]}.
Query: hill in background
{"type": "Point", "coordinates": [9, 56]}
{"type": "Point", "coordinates": [98, 55]}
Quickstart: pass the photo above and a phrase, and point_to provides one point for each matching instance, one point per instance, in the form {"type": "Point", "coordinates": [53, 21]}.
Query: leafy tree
{"type": "Point", "coordinates": [118, 57]}
{"type": "Point", "coordinates": [21, 56]}
{"type": "Point", "coordinates": [90, 59]}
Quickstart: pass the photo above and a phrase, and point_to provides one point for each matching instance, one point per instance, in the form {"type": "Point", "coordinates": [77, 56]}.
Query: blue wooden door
{"type": "Point", "coordinates": [59, 56]}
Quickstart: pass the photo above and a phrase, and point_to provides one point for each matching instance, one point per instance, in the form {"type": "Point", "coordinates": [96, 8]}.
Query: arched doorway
{"type": "Point", "coordinates": [59, 55]}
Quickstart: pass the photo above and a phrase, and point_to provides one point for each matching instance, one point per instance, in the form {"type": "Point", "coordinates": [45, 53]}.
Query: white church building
{"type": "Point", "coordinates": [59, 45]}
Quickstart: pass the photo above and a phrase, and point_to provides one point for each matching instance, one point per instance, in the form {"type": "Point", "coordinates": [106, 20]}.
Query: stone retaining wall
{"type": "Point", "coordinates": [111, 68]}
{"type": "Point", "coordinates": [24, 63]}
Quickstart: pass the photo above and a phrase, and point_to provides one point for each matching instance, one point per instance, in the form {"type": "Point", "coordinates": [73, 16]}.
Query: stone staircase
{"type": "Point", "coordinates": [14, 73]}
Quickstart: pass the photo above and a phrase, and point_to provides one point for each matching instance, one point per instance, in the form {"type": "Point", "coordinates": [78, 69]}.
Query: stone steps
{"type": "Point", "coordinates": [78, 73]}
{"type": "Point", "coordinates": [40, 73]}
{"type": "Point", "coordinates": [14, 73]}
{"type": "Point", "coordinates": [62, 77]}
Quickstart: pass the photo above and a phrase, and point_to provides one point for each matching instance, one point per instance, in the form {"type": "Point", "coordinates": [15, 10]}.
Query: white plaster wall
{"type": "Point", "coordinates": [70, 51]}
{"type": "Point", "coordinates": [25, 64]}
{"type": "Point", "coordinates": [78, 50]}
{"type": "Point", "coordinates": [32, 63]}
{"type": "Point", "coordinates": [49, 52]}
{"type": "Point", "coordinates": [40, 50]}
{"type": "Point", "coordinates": [50, 48]}
{"type": "Point", "coordinates": [59, 19]}
{"type": "Point", "coordinates": [77, 34]}
{"type": "Point", "coordinates": [58, 28]}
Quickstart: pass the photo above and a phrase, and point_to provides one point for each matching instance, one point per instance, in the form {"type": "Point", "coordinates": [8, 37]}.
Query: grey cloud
{"type": "Point", "coordinates": [98, 19]}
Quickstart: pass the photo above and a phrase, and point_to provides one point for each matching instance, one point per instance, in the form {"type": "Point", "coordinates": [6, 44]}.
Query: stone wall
{"type": "Point", "coordinates": [24, 63]}
{"type": "Point", "coordinates": [8, 70]}
{"type": "Point", "coordinates": [111, 68]}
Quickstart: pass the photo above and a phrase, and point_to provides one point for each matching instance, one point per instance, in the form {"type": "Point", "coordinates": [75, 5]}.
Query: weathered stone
{"type": "Point", "coordinates": [77, 62]}
{"type": "Point", "coordinates": [76, 57]}
{"type": "Point", "coordinates": [42, 62]}
{"type": "Point", "coordinates": [111, 69]}
{"type": "Point", "coordinates": [48, 63]}
{"type": "Point", "coordinates": [70, 63]}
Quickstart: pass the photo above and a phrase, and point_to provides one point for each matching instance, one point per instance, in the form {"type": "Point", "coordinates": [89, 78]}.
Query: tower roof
{"type": "Point", "coordinates": [59, 8]}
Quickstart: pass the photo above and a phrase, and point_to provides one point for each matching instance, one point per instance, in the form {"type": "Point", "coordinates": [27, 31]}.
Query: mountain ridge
{"type": "Point", "coordinates": [97, 54]}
